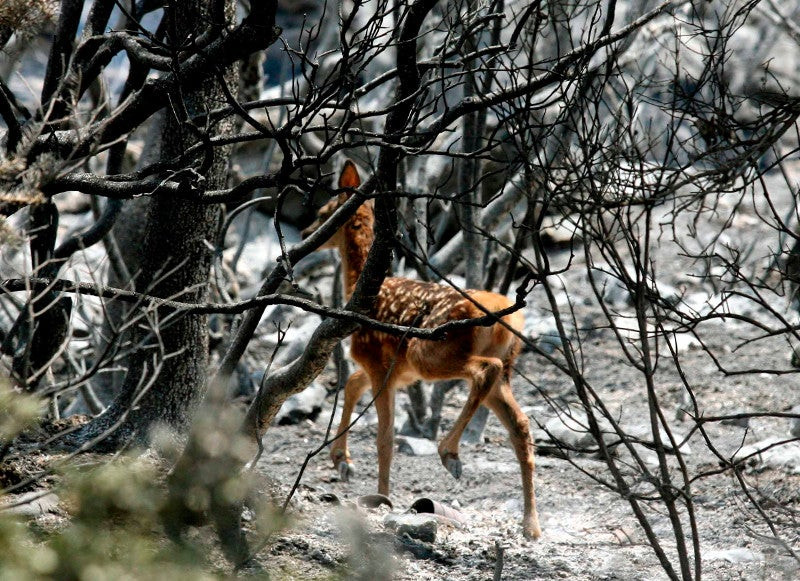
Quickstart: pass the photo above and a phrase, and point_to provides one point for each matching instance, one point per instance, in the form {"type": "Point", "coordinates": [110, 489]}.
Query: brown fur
{"type": "Point", "coordinates": [481, 355]}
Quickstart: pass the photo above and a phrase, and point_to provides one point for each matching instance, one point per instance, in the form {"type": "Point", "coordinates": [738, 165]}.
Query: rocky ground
{"type": "Point", "coordinates": [589, 531]}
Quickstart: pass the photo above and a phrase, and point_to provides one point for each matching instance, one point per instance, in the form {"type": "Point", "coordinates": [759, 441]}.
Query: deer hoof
{"type": "Point", "coordinates": [346, 471]}
{"type": "Point", "coordinates": [531, 532]}
{"type": "Point", "coordinates": [453, 465]}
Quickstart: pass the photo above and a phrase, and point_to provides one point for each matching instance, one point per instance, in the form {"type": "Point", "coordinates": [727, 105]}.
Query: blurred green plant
{"type": "Point", "coordinates": [113, 531]}
{"type": "Point", "coordinates": [127, 517]}
{"type": "Point", "coordinates": [115, 527]}
{"type": "Point", "coordinates": [18, 411]}
{"type": "Point", "coordinates": [118, 510]}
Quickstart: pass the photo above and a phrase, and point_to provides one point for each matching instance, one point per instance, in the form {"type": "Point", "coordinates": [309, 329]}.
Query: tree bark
{"type": "Point", "coordinates": [166, 374]}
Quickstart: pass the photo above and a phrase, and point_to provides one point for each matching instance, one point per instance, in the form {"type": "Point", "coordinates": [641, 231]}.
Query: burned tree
{"type": "Point", "coordinates": [592, 148]}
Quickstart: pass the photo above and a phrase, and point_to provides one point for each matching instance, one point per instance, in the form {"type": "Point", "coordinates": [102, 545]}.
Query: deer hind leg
{"type": "Point", "coordinates": [501, 401]}
{"type": "Point", "coordinates": [355, 387]}
{"type": "Point", "coordinates": [484, 374]}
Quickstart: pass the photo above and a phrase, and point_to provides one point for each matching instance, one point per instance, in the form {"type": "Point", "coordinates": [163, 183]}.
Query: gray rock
{"type": "Point", "coordinates": [296, 340]}
{"type": "Point", "coordinates": [416, 446]}
{"type": "Point", "coordinates": [374, 501]}
{"type": "Point", "coordinates": [330, 498]}
{"type": "Point", "coordinates": [769, 453]}
{"type": "Point", "coordinates": [794, 423]}
{"type": "Point", "coordinates": [647, 455]}
{"type": "Point", "coordinates": [422, 527]}
{"type": "Point", "coordinates": [683, 413]}
{"type": "Point", "coordinates": [611, 289]}
{"type": "Point", "coordinates": [683, 342]}
{"type": "Point", "coordinates": [539, 326]}
{"type": "Point", "coordinates": [573, 430]}
{"type": "Point", "coordinates": [304, 405]}
{"type": "Point", "coordinates": [473, 433]}
{"type": "Point", "coordinates": [738, 422]}
{"type": "Point", "coordinates": [627, 535]}
{"type": "Point", "coordinates": [549, 342]}
{"type": "Point", "coordinates": [644, 433]}
{"type": "Point", "coordinates": [735, 555]}
{"type": "Point", "coordinates": [32, 504]}
{"type": "Point", "coordinates": [69, 224]}
{"type": "Point", "coordinates": [480, 465]}
{"type": "Point", "coordinates": [669, 293]}
{"type": "Point", "coordinates": [560, 230]}
{"type": "Point", "coordinates": [615, 293]}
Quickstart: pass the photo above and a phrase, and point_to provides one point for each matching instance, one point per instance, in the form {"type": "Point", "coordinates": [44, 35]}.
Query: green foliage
{"type": "Point", "coordinates": [18, 411]}
{"type": "Point", "coordinates": [123, 492]}
{"type": "Point", "coordinates": [22, 559]}
{"type": "Point", "coordinates": [113, 532]}
{"type": "Point", "coordinates": [118, 511]}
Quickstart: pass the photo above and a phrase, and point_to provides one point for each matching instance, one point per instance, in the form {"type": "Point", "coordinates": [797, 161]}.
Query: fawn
{"type": "Point", "coordinates": [481, 355]}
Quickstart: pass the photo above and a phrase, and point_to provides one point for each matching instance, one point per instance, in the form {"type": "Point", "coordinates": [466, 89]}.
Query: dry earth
{"type": "Point", "coordinates": [589, 530]}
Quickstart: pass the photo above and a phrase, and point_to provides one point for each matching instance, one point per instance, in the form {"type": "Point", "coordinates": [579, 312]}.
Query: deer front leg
{"type": "Point", "coordinates": [355, 387]}
{"type": "Point", "coordinates": [384, 405]}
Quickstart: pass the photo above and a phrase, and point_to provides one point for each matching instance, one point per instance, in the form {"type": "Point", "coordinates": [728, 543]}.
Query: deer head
{"type": "Point", "coordinates": [349, 181]}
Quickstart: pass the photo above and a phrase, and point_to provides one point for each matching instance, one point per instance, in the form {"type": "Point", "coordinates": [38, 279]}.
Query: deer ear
{"type": "Point", "coordinates": [349, 177]}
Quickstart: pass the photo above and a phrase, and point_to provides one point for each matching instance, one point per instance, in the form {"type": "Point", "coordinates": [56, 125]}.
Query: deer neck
{"type": "Point", "coordinates": [357, 237]}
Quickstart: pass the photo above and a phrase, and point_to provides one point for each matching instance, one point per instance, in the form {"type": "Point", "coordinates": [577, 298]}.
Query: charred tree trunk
{"type": "Point", "coordinates": [166, 373]}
